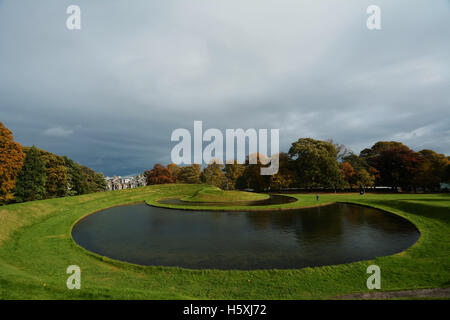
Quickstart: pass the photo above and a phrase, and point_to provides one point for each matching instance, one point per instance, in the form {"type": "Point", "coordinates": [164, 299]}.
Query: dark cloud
{"type": "Point", "coordinates": [110, 94]}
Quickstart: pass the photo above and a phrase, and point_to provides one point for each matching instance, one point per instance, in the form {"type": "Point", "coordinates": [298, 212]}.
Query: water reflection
{"type": "Point", "coordinates": [272, 200]}
{"type": "Point", "coordinates": [333, 234]}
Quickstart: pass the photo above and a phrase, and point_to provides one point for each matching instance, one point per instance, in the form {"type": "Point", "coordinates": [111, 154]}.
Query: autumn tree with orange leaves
{"type": "Point", "coordinates": [159, 175]}
{"type": "Point", "coordinates": [348, 173]}
{"type": "Point", "coordinates": [11, 161]}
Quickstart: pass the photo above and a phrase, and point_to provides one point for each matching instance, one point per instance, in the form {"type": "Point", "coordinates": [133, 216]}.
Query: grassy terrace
{"type": "Point", "coordinates": [36, 247]}
{"type": "Point", "coordinates": [214, 194]}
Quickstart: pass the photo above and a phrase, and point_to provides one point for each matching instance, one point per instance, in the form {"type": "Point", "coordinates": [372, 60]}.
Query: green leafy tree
{"type": "Point", "coordinates": [315, 164]}
{"type": "Point", "coordinates": [31, 180]}
{"type": "Point", "coordinates": [285, 176]}
{"type": "Point", "coordinates": [74, 177]}
{"type": "Point", "coordinates": [364, 175]}
{"type": "Point", "coordinates": [190, 174]}
{"type": "Point", "coordinates": [100, 182]}
{"type": "Point", "coordinates": [56, 174]}
{"type": "Point", "coordinates": [252, 178]}
{"type": "Point", "coordinates": [233, 172]}
{"type": "Point", "coordinates": [341, 150]}
{"type": "Point", "coordinates": [431, 171]}
{"type": "Point", "coordinates": [364, 178]}
{"type": "Point", "coordinates": [213, 174]}
{"type": "Point", "coordinates": [174, 170]}
{"type": "Point", "coordinates": [356, 161]}
{"type": "Point", "coordinates": [92, 181]}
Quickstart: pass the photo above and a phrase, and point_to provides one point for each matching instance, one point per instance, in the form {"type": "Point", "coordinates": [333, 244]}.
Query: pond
{"type": "Point", "coordinates": [333, 234]}
{"type": "Point", "coordinates": [272, 200]}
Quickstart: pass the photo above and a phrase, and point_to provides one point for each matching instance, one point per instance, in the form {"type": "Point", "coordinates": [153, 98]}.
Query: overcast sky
{"type": "Point", "coordinates": [110, 95]}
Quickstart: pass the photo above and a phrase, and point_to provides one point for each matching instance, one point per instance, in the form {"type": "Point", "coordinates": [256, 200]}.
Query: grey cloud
{"type": "Point", "coordinates": [57, 132]}
{"type": "Point", "coordinates": [135, 72]}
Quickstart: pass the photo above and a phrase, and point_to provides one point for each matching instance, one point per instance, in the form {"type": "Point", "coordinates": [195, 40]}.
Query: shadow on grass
{"type": "Point", "coordinates": [414, 206]}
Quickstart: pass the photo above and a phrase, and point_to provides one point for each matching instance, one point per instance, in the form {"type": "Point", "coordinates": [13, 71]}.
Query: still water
{"type": "Point", "coordinates": [272, 200]}
{"type": "Point", "coordinates": [334, 234]}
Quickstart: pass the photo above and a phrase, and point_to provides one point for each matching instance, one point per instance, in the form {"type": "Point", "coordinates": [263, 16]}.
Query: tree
{"type": "Point", "coordinates": [446, 177]}
{"type": "Point", "coordinates": [174, 170]}
{"type": "Point", "coordinates": [364, 178]}
{"type": "Point", "coordinates": [348, 173]}
{"type": "Point", "coordinates": [159, 175]}
{"type": "Point", "coordinates": [233, 172]}
{"type": "Point", "coordinates": [357, 172]}
{"type": "Point", "coordinates": [396, 163]}
{"type": "Point", "coordinates": [100, 182]}
{"type": "Point", "coordinates": [56, 174]}
{"type": "Point", "coordinates": [285, 176]}
{"type": "Point", "coordinates": [190, 174]}
{"type": "Point", "coordinates": [252, 178]}
{"type": "Point", "coordinates": [356, 161]}
{"type": "Point", "coordinates": [341, 150]}
{"type": "Point", "coordinates": [31, 180]}
{"type": "Point", "coordinates": [92, 181]}
{"type": "Point", "coordinates": [431, 171]}
{"type": "Point", "coordinates": [74, 177]}
{"type": "Point", "coordinates": [378, 147]}
{"type": "Point", "coordinates": [214, 175]}
{"type": "Point", "coordinates": [11, 162]}
{"type": "Point", "coordinates": [315, 164]}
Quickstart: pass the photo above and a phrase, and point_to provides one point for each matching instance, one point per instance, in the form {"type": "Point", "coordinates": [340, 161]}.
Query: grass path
{"type": "Point", "coordinates": [36, 247]}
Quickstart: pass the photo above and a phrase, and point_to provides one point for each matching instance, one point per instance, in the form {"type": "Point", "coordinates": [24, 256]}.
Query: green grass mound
{"type": "Point", "coordinates": [214, 194]}
{"type": "Point", "coordinates": [36, 248]}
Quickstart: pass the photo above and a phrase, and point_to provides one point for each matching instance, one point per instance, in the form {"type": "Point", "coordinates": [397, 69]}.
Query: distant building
{"type": "Point", "coordinates": [121, 183]}
{"type": "Point", "coordinates": [445, 186]}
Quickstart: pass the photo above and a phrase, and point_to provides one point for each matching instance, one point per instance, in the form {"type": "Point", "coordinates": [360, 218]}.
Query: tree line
{"type": "Point", "coordinates": [314, 164]}
{"type": "Point", "coordinates": [30, 173]}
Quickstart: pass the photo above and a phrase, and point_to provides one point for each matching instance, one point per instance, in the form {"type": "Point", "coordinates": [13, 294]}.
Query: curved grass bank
{"type": "Point", "coordinates": [36, 248]}
{"type": "Point", "coordinates": [214, 194]}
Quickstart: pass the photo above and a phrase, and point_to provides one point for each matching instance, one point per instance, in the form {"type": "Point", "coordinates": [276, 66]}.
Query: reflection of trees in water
{"type": "Point", "coordinates": [284, 239]}
{"type": "Point", "coordinates": [376, 219]}
{"type": "Point", "coordinates": [259, 221]}
{"type": "Point", "coordinates": [328, 223]}
{"type": "Point", "coordinates": [320, 225]}
{"type": "Point", "coordinates": [274, 199]}
{"type": "Point", "coordinates": [354, 215]}
{"type": "Point", "coordinates": [308, 225]}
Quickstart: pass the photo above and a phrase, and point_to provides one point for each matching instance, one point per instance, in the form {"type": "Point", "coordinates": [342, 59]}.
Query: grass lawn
{"type": "Point", "coordinates": [214, 194]}
{"type": "Point", "coordinates": [36, 247]}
